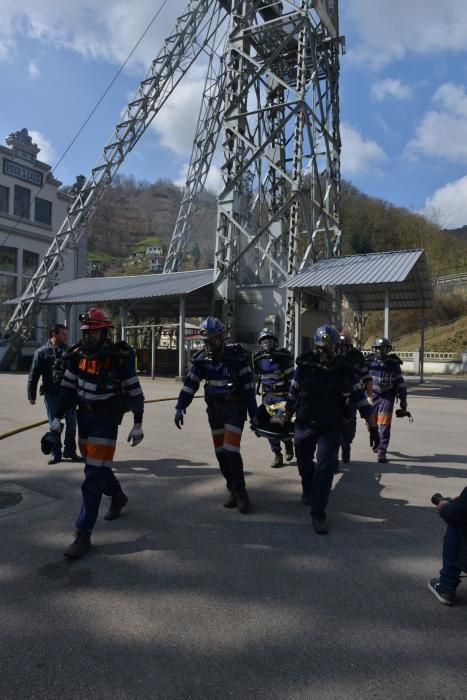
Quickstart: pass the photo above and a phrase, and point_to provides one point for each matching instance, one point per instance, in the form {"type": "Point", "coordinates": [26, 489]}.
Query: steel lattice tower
{"type": "Point", "coordinates": [278, 88]}
{"type": "Point", "coordinates": [273, 95]}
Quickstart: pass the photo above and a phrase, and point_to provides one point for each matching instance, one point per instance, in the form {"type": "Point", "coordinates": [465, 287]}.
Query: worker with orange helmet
{"type": "Point", "coordinates": [101, 380]}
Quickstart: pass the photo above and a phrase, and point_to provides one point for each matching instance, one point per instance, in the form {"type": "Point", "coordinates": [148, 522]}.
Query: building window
{"type": "Point", "coordinates": [8, 259]}
{"type": "Point", "coordinates": [43, 211]}
{"type": "Point", "coordinates": [7, 291]}
{"type": "Point", "coordinates": [4, 198]}
{"type": "Point", "coordinates": [30, 263]}
{"type": "Point", "coordinates": [22, 202]}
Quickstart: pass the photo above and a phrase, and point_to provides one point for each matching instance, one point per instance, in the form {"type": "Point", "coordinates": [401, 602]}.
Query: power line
{"type": "Point", "coordinates": [88, 118]}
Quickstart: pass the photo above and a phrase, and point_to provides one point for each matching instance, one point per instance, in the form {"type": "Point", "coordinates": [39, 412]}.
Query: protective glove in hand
{"type": "Point", "coordinates": [374, 437]}
{"type": "Point", "coordinates": [136, 434]}
{"type": "Point", "coordinates": [178, 420]}
{"type": "Point", "coordinates": [56, 426]}
{"type": "Point", "coordinates": [403, 404]}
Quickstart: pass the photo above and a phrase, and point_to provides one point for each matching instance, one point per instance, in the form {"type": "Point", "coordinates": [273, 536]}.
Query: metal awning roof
{"type": "Point", "coordinates": [128, 288]}
{"type": "Point", "coordinates": [364, 279]}
{"type": "Point", "coordinates": [154, 294]}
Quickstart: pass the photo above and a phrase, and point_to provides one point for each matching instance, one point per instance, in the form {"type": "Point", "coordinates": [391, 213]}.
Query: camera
{"type": "Point", "coordinates": [437, 497]}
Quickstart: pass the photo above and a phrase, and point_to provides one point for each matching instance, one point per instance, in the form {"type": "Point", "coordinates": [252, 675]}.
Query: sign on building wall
{"type": "Point", "coordinates": [22, 172]}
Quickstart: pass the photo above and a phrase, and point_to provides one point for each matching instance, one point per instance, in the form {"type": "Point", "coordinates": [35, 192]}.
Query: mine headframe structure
{"type": "Point", "coordinates": [273, 95]}
{"type": "Point", "coordinates": [274, 101]}
{"type": "Point", "coordinates": [279, 209]}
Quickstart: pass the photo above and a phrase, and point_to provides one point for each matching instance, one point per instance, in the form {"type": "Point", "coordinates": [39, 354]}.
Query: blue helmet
{"type": "Point", "coordinates": [326, 337]}
{"type": "Point", "coordinates": [268, 335]}
{"type": "Point", "coordinates": [211, 327]}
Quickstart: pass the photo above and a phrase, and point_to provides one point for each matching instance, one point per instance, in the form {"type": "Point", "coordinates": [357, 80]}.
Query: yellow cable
{"type": "Point", "coordinates": [43, 422]}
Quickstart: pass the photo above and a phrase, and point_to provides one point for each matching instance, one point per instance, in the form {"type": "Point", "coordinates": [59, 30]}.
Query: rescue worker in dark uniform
{"type": "Point", "coordinates": [320, 392]}
{"type": "Point", "coordinates": [100, 379]}
{"type": "Point", "coordinates": [274, 369]}
{"type": "Point", "coordinates": [47, 364]}
{"type": "Point", "coordinates": [388, 383]}
{"type": "Point", "coordinates": [229, 393]}
{"type": "Point", "coordinates": [349, 424]}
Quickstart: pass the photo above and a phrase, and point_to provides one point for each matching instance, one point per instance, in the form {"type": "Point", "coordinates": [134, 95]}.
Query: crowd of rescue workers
{"type": "Point", "coordinates": [310, 407]}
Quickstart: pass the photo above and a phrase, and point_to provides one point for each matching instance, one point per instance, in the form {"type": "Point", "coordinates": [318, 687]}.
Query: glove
{"type": "Point", "coordinates": [178, 420]}
{"type": "Point", "coordinates": [136, 434]}
{"type": "Point", "coordinates": [56, 426]}
{"type": "Point", "coordinates": [403, 404]}
{"type": "Point", "coordinates": [374, 437]}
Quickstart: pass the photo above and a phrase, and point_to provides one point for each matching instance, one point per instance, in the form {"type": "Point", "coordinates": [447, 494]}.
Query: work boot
{"type": "Point", "coordinates": [444, 597]}
{"type": "Point", "coordinates": [80, 545]}
{"type": "Point", "coordinates": [345, 454]}
{"type": "Point", "coordinates": [243, 502]}
{"type": "Point", "coordinates": [231, 501]}
{"type": "Point", "coordinates": [382, 459]}
{"type": "Point", "coordinates": [118, 502]}
{"type": "Point", "coordinates": [320, 526]}
{"type": "Point", "coordinates": [278, 461]}
{"type": "Point", "coordinates": [289, 453]}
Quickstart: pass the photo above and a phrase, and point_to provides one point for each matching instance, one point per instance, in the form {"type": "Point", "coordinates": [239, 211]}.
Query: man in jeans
{"type": "Point", "coordinates": [454, 513]}
{"type": "Point", "coordinates": [48, 364]}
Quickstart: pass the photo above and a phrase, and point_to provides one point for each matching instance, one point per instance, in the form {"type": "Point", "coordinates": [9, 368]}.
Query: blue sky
{"type": "Point", "coordinates": [403, 92]}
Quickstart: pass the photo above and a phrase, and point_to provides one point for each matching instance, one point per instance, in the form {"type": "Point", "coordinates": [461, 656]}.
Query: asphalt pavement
{"type": "Point", "coordinates": [182, 599]}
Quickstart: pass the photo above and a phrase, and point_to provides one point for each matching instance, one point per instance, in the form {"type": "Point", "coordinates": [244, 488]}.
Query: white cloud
{"type": "Point", "coordinates": [387, 31]}
{"type": "Point", "coordinates": [47, 153]}
{"type": "Point", "coordinates": [390, 88]}
{"type": "Point", "coordinates": [99, 30]}
{"type": "Point", "coordinates": [214, 181]}
{"type": "Point", "coordinates": [33, 70]}
{"type": "Point", "coordinates": [448, 204]}
{"type": "Point", "coordinates": [359, 155]}
{"type": "Point", "coordinates": [443, 130]}
{"type": "Point", "coordinates": [176, 122]}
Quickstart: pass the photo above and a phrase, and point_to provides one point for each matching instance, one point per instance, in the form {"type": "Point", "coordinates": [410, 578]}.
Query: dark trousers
{"type": "Point", "coordinates": [51, 403]}
{"type": "Point", "coordinates": [349, 427]}
{"type": "Point", "coordinates": [98, 481]}
{"type": "Point", "coordinates": [317, 477]}
{"type": "Point", "coordinates": [449, 575]}
{"type": "Point", "coordinates": [97, 439]}
{"type": "Point", "coordinates": [226, 421]}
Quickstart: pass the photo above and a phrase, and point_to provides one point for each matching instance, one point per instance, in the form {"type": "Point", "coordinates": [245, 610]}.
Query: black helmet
{"type": "Point", "coordinates": [345, 338]}
{"type": "Point", "coordinates": [381, 346]}
{"type": "Point", "coordinates": [267, 340]}
{"type": "Point", "coordinates": [49, 441]}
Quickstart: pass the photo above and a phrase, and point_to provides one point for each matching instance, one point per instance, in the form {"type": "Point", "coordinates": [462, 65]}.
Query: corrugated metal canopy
{"type": "Point", "coordinates": [156, 295]}
{"type": "Point", "coordinates": [364, 279]}
{"type": "Point", "coordinates": [114, 289]}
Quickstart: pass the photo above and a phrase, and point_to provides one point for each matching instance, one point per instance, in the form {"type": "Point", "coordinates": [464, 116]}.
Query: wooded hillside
{"type": "Point", "coordinates": [134, 214]}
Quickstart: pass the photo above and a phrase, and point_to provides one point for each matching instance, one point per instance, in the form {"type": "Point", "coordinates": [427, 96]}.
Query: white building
{"type": "Point", "coordinates": [31, 211]}
{"type": "Point", "coordinates": [154, 251]}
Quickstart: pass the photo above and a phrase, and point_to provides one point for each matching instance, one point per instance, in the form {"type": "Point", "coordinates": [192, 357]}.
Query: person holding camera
{"type": "Point", "coordinates": [454, 514]}
{"type": "Point", "coordinates": [48, 364]}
